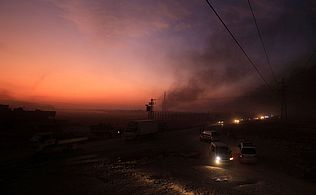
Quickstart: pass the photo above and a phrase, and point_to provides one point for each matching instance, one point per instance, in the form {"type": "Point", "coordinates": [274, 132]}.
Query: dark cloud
{"type": "Point", "coordinates": [202, 75]}
{"type": "Point", "coordinates": [208, 68]}
{"type": "Point", "coordinates": [217, 72]}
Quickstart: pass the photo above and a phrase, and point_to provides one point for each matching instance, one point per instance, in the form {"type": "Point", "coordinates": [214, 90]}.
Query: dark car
{"type": "Point", "coordinates": [221, 153]}
{"type": "Point", "coordinates": [209, 136]}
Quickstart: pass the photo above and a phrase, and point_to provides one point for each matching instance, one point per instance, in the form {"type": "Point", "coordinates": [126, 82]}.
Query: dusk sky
{"type": "Point", "coordinates": [121, 53]}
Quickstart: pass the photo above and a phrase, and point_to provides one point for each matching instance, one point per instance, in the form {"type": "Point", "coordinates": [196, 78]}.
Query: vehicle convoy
{"type": "Point", "coordinates": [51, 141]}
{"type": "Point", "coordinates": [248, 152]}
{"type": "Point", "coordinates": [221, 153]}
{"type": "Point", "coordinates": [209, 136]}
{"type": "Point", "coordinates": [140, 128]}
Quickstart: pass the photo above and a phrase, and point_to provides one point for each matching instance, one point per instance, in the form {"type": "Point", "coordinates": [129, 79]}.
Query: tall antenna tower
{"type": "Point", "coordinates": [150, 108]}
{"type": "Point", "coordinates": [164, 103]}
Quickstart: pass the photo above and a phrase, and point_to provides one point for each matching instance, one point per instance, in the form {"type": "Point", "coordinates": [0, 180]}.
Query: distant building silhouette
{"type": "Point", "coordinates": [4, 108]}
{"type": "Point", "coordinates": [18, 117]}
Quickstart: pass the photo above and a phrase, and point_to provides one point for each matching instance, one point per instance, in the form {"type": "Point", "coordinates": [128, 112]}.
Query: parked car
{"type": "Point", "coordinates": [248, 153]}
{"type": "Point", "coordinates": [243, 144]}
{"type": "Point", "coordinates": [221, 153]}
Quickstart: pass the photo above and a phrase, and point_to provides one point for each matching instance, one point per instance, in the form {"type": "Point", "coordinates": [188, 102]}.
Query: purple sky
{"type": "Point", "coordinates": [120, 53]}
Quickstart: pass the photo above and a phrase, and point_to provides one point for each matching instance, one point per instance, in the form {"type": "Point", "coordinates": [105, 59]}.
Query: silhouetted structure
{"type": "Point", "coordinates": [4, 108]}
{"type": "Point", "coordinates": [18, 117]}
{"type": "Point", "coordinates": [150, 108]}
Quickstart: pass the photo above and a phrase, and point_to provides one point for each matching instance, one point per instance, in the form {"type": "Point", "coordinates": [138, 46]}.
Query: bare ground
{"type": "Point", "coordinates": [170, 163]}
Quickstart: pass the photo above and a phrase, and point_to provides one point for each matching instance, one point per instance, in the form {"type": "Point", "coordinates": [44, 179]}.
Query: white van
{"type": "Point", "coordinates": [248, 153]}
{"type": "Point", "coordinates": [140, 128]}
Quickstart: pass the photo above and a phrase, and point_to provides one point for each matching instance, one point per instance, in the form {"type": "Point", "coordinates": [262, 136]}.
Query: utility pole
{"type": "Point", "coordinates": [283, 100]}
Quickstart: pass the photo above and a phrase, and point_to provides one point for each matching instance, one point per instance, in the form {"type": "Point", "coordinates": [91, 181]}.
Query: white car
{"type": "Point", "coordinates": [248, 153]}
{"type": "Point", "coordinates": [243, 144]}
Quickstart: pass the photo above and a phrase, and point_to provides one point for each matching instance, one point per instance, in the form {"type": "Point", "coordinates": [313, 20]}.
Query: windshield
{"type": "Point", "coordinates": [248, 151]}
{"type": "Point", "coordinates": [206, 133]}
{"type": "Point", "coordinates": [215, 134]}
{"type": "Point", "coordinates": [222, 150]}
{"type": "Point", "coordinates": [247, 144]}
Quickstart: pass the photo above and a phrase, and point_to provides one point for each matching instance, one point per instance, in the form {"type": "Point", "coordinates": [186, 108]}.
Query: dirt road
{"type": "Point", "coordinates": [172, 163]}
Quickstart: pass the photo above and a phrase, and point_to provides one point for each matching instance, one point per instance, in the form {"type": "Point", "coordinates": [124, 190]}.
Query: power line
{"type": "Point", "coordinates": [262, 42]}
{"type": "Point", "coordinates": [236, 41]}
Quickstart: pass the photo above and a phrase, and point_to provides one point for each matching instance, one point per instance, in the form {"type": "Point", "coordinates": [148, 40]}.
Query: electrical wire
{"type": "Point", "coordinates": [262, 42]}
{"type": "Point", "coordinates": [236, 41]}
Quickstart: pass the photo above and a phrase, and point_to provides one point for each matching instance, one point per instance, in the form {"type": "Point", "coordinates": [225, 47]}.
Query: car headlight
{"type": "Point", "coordinates": [231, 158]}
{"type": "Point", "coordinates": [217, 159]}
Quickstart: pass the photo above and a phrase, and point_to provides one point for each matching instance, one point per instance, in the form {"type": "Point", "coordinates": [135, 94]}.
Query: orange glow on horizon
{"type": "Point", "coordinates": [46, 59]}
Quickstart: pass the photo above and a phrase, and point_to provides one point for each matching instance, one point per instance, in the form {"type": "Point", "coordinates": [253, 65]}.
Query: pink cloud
{"type": "Point", "coordinates": [122, 19]}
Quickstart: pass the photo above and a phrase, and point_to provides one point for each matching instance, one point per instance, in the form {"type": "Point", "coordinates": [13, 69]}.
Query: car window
{"type": "Point", "coordinates": [215, 134]}
{"type": "Point", "coordinates": [248, 151]}
{"type": "Point", "coordinates": [247, 144]}
{"type": "Point", "coordinates": [222, 150]}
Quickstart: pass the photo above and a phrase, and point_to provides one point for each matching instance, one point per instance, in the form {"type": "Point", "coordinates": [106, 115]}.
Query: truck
{"type": "Point", "coordinates": [105, 131]}
{"type": "Point", "coordinates": [50, 141]}
{"type": "Point", "coordinates": [140, 128]}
